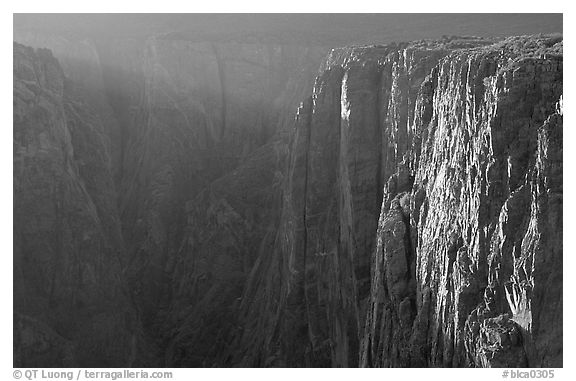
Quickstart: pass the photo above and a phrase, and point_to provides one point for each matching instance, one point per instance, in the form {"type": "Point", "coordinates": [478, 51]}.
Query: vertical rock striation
{"type": "Point", "coordinates": [307, 300]}
{"type": "Point", "coordinates": [459, 251]}
{"type": "Point", "coordinates": [448, 138]}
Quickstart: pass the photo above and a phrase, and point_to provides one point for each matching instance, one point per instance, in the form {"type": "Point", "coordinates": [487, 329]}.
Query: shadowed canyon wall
{"type": "Point", "coordinates": [185, 203]}
{"type": "Point", "coordinates": [69, 291]}
{"type": "Point", "coordinates": [172, 117]}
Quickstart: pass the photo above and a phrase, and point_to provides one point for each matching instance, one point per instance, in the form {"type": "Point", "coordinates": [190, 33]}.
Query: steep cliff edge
{"type": "Point", "coordinates": [477, 278]}
{"type": "Point", "coordinates": [449, 138]}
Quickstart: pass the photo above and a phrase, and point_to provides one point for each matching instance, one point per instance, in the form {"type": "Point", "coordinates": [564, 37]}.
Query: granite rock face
{"type": "Point", "coordinates": [408, 215]}
{"type": "Point", "coordinates": [417, 226]}
{"type": "Point", "coordinates": [480, 216]}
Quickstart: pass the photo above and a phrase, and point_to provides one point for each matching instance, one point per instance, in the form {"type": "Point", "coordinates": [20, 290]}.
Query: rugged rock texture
{"type": "Point", "coordinates": [466, 273]}
{"type": "Point", "coordinates": [409, 214]}
{"type": "Point", "coordinates": [445, 136]}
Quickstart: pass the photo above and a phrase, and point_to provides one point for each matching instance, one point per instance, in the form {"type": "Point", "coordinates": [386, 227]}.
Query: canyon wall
{"type": "Point", "coordinates": [172, 117]}
{"type": "Point", "coordinates": [70, 305]}
{"type": "Point", "coordinates": [228, 204]}
{"type": "Point", "coordinates": [468, 264]}
{"type": "Point", "coordinates": [421, 212]}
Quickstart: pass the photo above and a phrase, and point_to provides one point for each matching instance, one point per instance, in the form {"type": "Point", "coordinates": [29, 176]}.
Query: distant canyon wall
{"type": "Point", "coordinates": [157, 121]}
